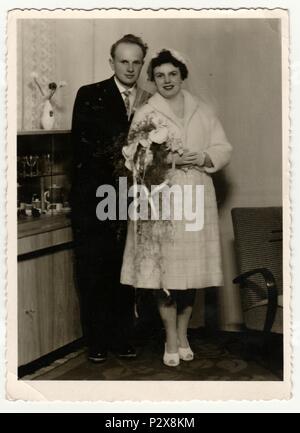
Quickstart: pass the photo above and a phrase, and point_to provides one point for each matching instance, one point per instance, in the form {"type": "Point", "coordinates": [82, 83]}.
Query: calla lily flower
{"type": "Point", "coordinates": [159, 136]}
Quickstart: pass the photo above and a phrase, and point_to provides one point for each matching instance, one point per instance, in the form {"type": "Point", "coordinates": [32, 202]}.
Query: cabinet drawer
{"type": "Point", "coordinates": [44, 240]}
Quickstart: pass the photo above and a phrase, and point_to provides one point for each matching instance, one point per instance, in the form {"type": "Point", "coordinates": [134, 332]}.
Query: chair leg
{"type": "Point", "coordinates": [273, 353]}
{"type": "Point", "coordinates": [252, 345]}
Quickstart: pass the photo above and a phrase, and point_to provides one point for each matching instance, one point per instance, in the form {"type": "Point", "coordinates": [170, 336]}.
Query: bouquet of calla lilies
{"type": "Point", "coordinates": [147, 155]}
{"type": "Point", "coordinates": [149, 144]}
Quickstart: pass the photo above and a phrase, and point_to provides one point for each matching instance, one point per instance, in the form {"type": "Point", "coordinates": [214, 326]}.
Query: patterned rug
{"type": "Point", "coordinates": [214, 361]}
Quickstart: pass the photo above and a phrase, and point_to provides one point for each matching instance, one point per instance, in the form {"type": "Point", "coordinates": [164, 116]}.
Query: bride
{"type": "Point", "coordinates": [175, 267]}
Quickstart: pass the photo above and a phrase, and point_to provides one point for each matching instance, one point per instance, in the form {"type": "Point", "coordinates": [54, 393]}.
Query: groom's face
{"type": "Point", "coordinates": [127, 63]}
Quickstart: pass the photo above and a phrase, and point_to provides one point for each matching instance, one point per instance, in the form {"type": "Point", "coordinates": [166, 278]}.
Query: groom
{"type": "Point", "coordinates": [102, 114]}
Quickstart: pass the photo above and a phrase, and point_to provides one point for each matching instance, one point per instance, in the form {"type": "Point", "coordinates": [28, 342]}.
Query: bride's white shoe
{"type": "Point", "coordinates": [186, 353]}
{"type": "Point", "coordinates": [171, 359]}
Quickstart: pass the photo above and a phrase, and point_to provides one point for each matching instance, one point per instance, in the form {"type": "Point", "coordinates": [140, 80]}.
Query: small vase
{"type": "Point", "coordinates": [47, 119]}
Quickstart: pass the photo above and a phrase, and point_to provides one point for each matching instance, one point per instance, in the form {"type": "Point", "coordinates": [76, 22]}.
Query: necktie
{"type": "Point", "coordinates": [126, 94]}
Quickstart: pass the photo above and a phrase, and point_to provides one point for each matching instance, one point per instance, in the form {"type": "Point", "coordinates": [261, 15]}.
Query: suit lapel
{"type": "Point", "coordinates": [115, 100]}
{"type": "Point", "coordinates": [191, 105]}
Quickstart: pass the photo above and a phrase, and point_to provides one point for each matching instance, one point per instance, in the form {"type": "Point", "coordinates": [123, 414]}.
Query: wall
{"type": "Point", "coordinates": [236, 63]}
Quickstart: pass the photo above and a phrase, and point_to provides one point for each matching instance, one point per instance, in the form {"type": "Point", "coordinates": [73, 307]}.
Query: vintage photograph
{"type": "Point", "coordinates": [148, 161]}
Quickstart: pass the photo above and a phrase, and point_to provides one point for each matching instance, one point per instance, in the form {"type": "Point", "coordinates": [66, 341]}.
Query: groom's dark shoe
{"type": "Point", "coordinates": [126, 351]}
{"type": "Point", "coordinates": [97, 355]}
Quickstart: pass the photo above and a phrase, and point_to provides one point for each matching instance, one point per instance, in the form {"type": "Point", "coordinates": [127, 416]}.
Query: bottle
{"type": "Point", "coordinates": [36, 202]}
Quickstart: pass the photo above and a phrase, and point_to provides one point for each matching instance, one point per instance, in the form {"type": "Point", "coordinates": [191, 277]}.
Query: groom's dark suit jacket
{"type": "Point", "coordinates": [99, 120]}
{"type": "Point", "coordinates": [99, 117]}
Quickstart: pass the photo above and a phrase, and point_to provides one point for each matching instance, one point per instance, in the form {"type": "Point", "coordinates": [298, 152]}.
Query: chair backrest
{"type": "Point", "coordinates": [258, 244]}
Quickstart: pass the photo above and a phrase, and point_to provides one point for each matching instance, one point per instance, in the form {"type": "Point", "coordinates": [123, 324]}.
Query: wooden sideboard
{"type": "Point", "coordinates": [48, 302]}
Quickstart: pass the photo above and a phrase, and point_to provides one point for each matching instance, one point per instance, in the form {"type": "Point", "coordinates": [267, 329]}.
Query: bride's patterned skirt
{"type": "Point", "coordinates": [164, 255]}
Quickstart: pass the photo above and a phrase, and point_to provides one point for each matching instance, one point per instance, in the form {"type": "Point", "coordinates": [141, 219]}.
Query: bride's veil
{"type": "Point", "coordinates": [198, 85]}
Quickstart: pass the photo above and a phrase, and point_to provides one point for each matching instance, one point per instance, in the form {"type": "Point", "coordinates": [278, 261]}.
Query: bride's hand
{"type": "Point", "coordinates": [201, 159]}
{"type": "Point", "coordinates": [187, 158]}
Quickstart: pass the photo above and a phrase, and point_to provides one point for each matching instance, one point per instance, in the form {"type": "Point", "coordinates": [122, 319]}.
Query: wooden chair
{"type": "Point", "coordinates": [258, 246]}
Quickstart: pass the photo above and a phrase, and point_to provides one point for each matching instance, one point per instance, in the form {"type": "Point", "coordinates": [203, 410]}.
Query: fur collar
{"type": "Point", "coordinates": [160, 104]}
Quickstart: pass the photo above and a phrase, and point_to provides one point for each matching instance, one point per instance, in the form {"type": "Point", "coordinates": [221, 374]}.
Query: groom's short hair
{"type": "Point", "coordinates": [129, 39]}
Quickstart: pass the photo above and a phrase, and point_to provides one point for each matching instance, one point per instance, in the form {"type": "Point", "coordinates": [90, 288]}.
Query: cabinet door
{"type": "Point", "coordinates": [48, 306]}
{"type": "Point", "coordinates": [34, 306]}
{"type": "Point", "coordinates": [66, 315]}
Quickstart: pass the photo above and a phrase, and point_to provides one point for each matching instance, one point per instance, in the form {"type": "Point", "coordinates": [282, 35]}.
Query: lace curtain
{"type": "Point", "coordinates": [36, 53]}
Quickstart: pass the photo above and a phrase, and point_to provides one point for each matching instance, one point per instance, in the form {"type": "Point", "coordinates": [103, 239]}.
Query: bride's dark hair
{"type": "Point", "coordinates": [165, 56]}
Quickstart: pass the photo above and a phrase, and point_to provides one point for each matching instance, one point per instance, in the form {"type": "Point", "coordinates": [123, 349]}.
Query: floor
{"type": "Point", "coordinates": [217, 358]}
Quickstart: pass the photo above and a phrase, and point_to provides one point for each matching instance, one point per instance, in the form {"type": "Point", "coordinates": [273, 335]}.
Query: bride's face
{"type": "Point", "coordinates": [167, 78]}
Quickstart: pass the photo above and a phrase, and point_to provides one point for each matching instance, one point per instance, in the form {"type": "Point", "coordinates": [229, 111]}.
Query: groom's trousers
{"type": "Point", "coordinates": [107, 307]}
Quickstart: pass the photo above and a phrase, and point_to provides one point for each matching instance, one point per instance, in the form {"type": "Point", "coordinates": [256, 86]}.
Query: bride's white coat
{"type": "Point", "coordinates": [189, 259]}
